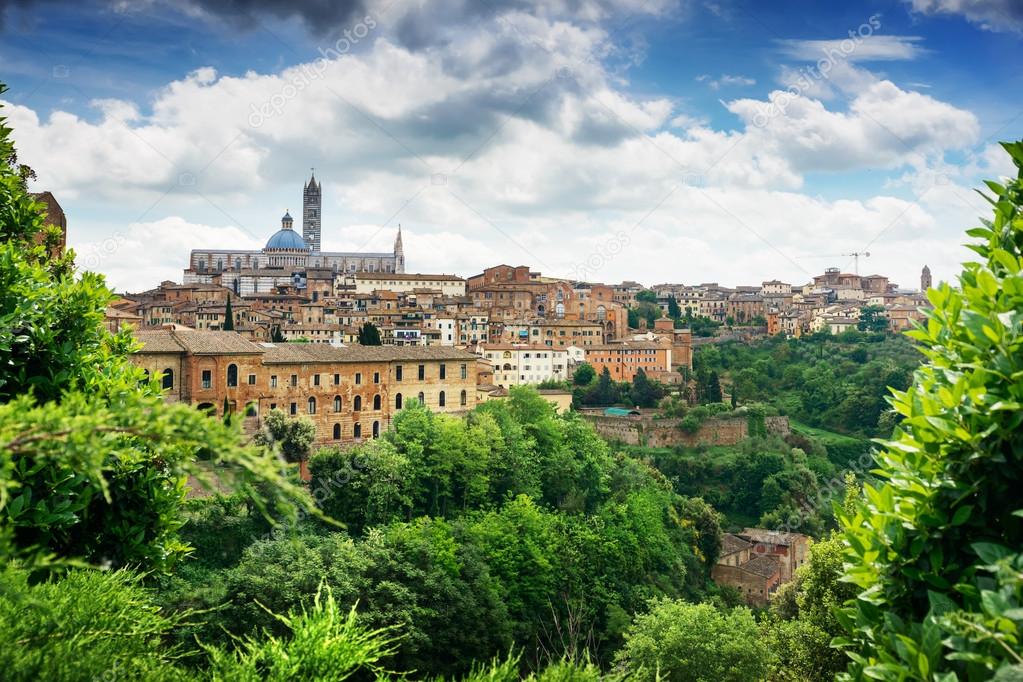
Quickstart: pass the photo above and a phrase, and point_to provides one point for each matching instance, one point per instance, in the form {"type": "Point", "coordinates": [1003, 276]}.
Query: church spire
{"type": "Point", "coordinates": [399, 252]}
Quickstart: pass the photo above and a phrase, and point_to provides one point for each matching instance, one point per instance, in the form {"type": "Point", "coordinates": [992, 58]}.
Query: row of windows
{"type": "Point", "coordinates": [232, 376]}
{"type": "Point", "coordinates": [463, 399]}
{"type": "Point", "coordinates": [356, 430]}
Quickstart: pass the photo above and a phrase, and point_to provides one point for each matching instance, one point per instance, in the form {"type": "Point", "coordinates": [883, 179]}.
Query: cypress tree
{"type": "Point", "coordinates": [228, 316]}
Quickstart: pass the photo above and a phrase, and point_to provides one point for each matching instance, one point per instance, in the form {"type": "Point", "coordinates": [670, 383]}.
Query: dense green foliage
{"type": "Point", "coordinates": [762, 481]}
{"type": "Point", "coordinates": [937, 548]}
{"type": "Point", "coordinates": [594, 390]}
{"type": "Point", "coordinates": [292, 438]}
{"type": "Point", "coordinates": [803, 621]}
{"type": "Point", "coordinates": [369, 334]}
{"type": "Point", "coordinates": [835, 382]}
{"type": "Point", "coordinates": [681, 642]}
{"type": "Point", "coordinates": [512, 526]}
{"type": "Point", "coordinates": [93, 461]}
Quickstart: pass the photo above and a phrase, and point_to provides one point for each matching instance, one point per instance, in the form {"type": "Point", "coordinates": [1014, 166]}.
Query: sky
{"type": "Point", "coordinates": [729, 141]}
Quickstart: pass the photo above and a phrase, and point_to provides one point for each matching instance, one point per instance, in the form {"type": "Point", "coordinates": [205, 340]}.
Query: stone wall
{"type": "Point", "coordinates": [662, 433]}
{"type": "Point", "coordinates": [755, 589]}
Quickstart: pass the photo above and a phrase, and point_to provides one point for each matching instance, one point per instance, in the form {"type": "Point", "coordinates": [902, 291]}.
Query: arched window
{"type": "Point", "coordinates": [337, 403]}
{"type": "Point", "coordinates": [209, 408]}
{"type": "Point", "coordinates": [507, 367]}
{"type": "Point", "coordinates": [312, 405]}
{"type": "Point", "coordinates": [376, 429]}
{"type": "Point", "coordinates": [559, 310]}
{"type": "Point", "coordinates": [376, 402]}
{"type": "Point", "coordinates": [422, 398]}
{"type": "Point", "coordinates": [601, 313]}
{"type": "Point", "coordinates": [397, 401]}
{"type": "Point", "coordinates": [337, 432]}
{"type": "Point", "coordinates": [220, 264]}
{"type": "Point", "coordinates": [357, 430]}
{"type": "Point", "coordinates": [232, 375]}
{"type": "Point", "coordinates": [463, 398]}
{"type": "Point", "coordinates": [357, 403]}
{"type": "Point", "coordinates": [440, 399]}
{"type": "Point", "coordinates": [168, 378]}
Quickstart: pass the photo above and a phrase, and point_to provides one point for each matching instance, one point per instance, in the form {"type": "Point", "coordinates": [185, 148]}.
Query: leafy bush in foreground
{"type": "Point", "coordinates": [936, 550]}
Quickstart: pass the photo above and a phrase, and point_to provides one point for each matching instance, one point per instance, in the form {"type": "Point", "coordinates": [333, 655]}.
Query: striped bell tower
{"type": "Point", "coordinates": [311, 206]}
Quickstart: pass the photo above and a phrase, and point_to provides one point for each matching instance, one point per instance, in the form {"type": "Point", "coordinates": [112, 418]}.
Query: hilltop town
{"type": "Point", "coordinates": [288, 313]}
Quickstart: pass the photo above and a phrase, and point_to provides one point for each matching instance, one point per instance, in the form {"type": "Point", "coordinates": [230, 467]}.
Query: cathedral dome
{"type": "Point", "coordinates": [287, 239]}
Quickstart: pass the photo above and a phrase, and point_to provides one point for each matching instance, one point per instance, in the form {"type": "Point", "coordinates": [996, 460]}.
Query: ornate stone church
{"type": "Point", "coordinates": [287, 252]}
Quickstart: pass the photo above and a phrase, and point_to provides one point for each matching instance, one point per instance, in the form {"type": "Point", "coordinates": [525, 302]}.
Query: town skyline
{"type": "Point", "coordinates": [616, 142]}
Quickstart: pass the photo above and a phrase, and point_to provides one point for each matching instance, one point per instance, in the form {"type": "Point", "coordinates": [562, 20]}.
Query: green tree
{"type": "Point", "coordinates": [604, 391]}
{"type": "Point", "coordinates": [584, 375]}
{"type": "Point", "coordinates": [805, 621]}
{"type": "Point", "coordinates": [935, 547]}
{"type": "Point", "coordinates": [369, 334]}
{"type": "Point", "coordinates": [681, 642]}
{"type": "Point", "coordinates": [674, 311]}
{"type": "Point", "coordinates": [228, 316]}
{"type": "Point", "coordinates": [292, 437]}
{"type": "Point", "coordinates": [646, 296]}
{"type": "Point", "coordinates": [94, 461]}
{"type": "Point", "coordinates": [645, 393]}
{"type": "Point", "coordinates": [712, 393]}
{"type": "Point", "coordinates": [872, 319]}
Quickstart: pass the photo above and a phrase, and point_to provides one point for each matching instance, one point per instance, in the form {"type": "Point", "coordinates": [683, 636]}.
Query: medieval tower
{"type": "Point", "coordinates": [311, 205]}
{"type": "Point", "coordinates": [399, 253]}
{"type": "Point", "coordinates": [925, 279]}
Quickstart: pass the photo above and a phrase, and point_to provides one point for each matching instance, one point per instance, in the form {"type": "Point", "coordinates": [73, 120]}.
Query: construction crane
{"type": "Point", "coordinates": [856, 258]}
{"type": "Point", "coordinates": [854, 255]}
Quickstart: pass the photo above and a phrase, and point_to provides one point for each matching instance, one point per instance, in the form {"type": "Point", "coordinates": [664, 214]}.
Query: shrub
{"type": "Point", "coordinates": [923, 545]}
{"type": "Point", "coordinates": [683, 642]}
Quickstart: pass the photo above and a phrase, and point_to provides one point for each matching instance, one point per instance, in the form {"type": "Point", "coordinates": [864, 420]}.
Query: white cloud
{"type": "Point", "coordinates": [992, 15]}
{"type": "Point", "coordinates": [726, 80]}
{"type": "Point", "coordinates": [497, 148]}
{"type": "Point", "coordinates": [143, 254]}
{"type": "Point", "coordinates": [872, 47]}
{"type": "Point", "coordinates": [885, 127]}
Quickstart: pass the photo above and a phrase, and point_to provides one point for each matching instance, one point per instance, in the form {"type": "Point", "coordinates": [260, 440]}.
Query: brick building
{"type": "Point", "coordinates": [54, 217]}
{"type": "Point", "coordinates": [757, 561]}
{"type": "Point", "coordinates": [623, 358]}
{"type": "Point", "coordinates": [350, 393]}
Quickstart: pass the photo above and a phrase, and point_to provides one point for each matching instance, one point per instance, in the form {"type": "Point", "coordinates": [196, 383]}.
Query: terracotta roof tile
{"type": "Point", "coordinates": [763, 566]}
{"type": "Point", "coordinates": [196, 342]}
{"type": "Point", "coordinates": [309, 352]}
{"type": "Point", "coordinates": [730, 544]}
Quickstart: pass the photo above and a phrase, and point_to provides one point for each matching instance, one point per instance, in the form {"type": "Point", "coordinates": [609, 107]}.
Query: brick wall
{"type": "Point", "coordinates": [756, 590]}
{"type": "Point", "coordinates": [644, 430]}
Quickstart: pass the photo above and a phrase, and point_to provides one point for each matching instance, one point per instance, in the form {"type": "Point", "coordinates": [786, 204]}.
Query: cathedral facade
{"type": "Point", "coordinates": [288, 252]}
